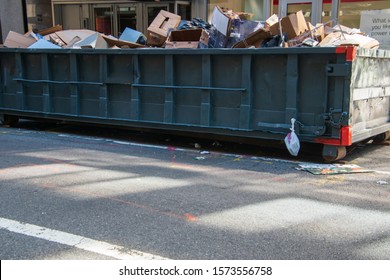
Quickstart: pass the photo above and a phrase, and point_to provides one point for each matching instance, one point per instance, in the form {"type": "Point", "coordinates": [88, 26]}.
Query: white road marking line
{"type": "Point", "coordinates": [382, 172]}
{"type": "Point", "coordinates": [77, 241]}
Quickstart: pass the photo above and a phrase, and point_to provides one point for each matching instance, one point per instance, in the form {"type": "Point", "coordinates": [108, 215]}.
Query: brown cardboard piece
{"type": "Point", "coordinates": [191, 38]}
{"type": "Point", "coordinates": [17, 40]}
{"type": "Point", "coordinates": [112, 42]}
{"type": "Point", "coordinates": [298, 41]}
{"type": "Point", "coordinates": [244, 15]}
{"type": "Point", "coordinates": [158, 29]}
{"type": "Point", "coordinates": [317, 32]}
{"type": "Point", "coordinates": [293, 25]}
{"type": "Point", "coordinates": [50, 30]}
{"type": "Point", "coordinates": [271, 21]}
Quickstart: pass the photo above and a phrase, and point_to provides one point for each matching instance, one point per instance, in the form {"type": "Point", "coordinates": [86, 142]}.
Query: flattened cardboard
{"type": "Point", "coordinates": [331, 40]}
{"type": "Point", "coordinates": [221, 21]}
{"type": "Point", "coordinates": [298, 41]}
{"type": "Point", "coordinates": [56, 40]}
{"type": "Point", "coordinates": [191, 38]}
{"type": "Point", "coordinates": [158, 29]}
{"type": "Point", "coordinates": [94, 41]}
{"type": "Point", "coordinates": [68, 35]}
{"type": "Point", "coordinates": [43, 44]}
{"type": "Point", "coordinates": [339, 39]}
{"type": "Point", "coordinates": [112, 41]}
{"type": "Point", "coordinates": [50, 30]}
{"type": "Point", "coordinates": [16, 40]}
{"type": "Point", "coordinates": [255, 39]}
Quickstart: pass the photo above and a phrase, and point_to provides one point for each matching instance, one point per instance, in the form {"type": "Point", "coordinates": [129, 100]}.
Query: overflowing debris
{"type": "Point", "coordinates": [227, 29]}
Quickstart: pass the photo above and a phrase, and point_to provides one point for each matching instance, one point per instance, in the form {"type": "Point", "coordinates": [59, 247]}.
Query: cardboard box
{"type": "Point", "coordinates": [317, 32]}
{"type": "Point", "coordinates": [16, 40]}
{"type": "Point", "coordinates": [272, 20]}
{"type": "Point", "coordinates": [191, 38]}
{"type": "Point", "coordinates": [293, 25]}
{"type": "Point", "coordinates": [159, 28]}
{"type": "Point", "coordinates": [131, 35]}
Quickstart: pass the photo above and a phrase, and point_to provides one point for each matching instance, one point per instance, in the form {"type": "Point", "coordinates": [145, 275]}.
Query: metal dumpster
{"type": "Point", "coordinates": [339, 96]}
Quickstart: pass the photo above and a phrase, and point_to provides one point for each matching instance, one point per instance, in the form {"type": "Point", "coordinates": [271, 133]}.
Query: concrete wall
{"type": "Point", "coordinates": [11, 17]}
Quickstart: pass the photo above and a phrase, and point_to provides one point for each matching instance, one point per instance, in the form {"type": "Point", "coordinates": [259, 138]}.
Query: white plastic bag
{"type": "Point", "coordinates": [292, 141]}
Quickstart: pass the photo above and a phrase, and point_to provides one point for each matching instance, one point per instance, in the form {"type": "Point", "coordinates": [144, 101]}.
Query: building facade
{"type": "Point", "coordinates": [112, 16]}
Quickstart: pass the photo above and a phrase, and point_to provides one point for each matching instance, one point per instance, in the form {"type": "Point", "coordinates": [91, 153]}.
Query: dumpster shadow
{"type": "Point", "coordinates": [310, 152]}
{"type": "Point", "coordinates": [364, 150]}
{"type": "Point", "coordinates": [165, 201]}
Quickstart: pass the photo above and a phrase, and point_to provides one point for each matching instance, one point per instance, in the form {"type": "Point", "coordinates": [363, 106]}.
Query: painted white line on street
{"type": "Point", "coordinates": [382, 172]}
{"type": "Point", "coordinates": [77, 241]}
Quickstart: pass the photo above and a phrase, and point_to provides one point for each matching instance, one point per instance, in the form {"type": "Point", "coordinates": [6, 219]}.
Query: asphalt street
{"type": "Point", "coordinates": [183, 199]}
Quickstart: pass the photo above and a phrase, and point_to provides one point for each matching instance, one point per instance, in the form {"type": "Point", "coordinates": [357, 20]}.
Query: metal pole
{"type": "Point", "coordinates": [335, 11]}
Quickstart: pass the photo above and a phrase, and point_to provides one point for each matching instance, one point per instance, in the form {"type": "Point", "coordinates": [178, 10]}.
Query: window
{"type": "Point", "coordinates": [254, 7]}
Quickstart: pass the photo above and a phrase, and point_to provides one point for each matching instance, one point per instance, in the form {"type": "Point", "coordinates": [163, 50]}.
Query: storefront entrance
{"type": "Point", "coordinates": [311, 8]}
{"type": "Point", "coordinates": [112, 18]}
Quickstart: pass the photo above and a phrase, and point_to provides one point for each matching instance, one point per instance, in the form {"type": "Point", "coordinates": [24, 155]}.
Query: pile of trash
{"type": "Point", "coordinates": [227, 29]}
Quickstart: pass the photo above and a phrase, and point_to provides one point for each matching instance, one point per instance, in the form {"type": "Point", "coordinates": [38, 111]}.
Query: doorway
{"type": "Point", "coordinates": [311, 9]}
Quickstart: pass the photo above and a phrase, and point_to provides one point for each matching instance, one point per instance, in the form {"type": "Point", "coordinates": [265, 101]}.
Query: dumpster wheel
{"type": "Point", "coordinates": [333, 153]}
{"type": "Point", "coordinates": [383, 137]}
{"type": "Point", "coordinates": [9, 120]}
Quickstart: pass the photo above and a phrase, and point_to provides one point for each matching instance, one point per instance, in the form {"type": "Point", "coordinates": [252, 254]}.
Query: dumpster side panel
{"type": "Point", "coordinates": [188, 72]}
{"type": "Point", "coordinates": [59, 70]}
{"type": "Point", "coordinates": [250, 93]}
{"type": "Point", "coordinates": [370, 107]}
{"type": "Point", "coordinates": [8, 87]}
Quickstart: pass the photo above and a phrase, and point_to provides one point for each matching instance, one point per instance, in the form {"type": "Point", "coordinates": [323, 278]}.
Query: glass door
{"type": "Point", "coordinates": [127, 16]}
{"type": "Point", "coordinates": [151, 10]}
{"type": "Point", "coordinates": [103, 19]}
{"type": "Point", "coordinates": [310, 8]}
{"type": "Point", "coordinates": [183, 9]}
